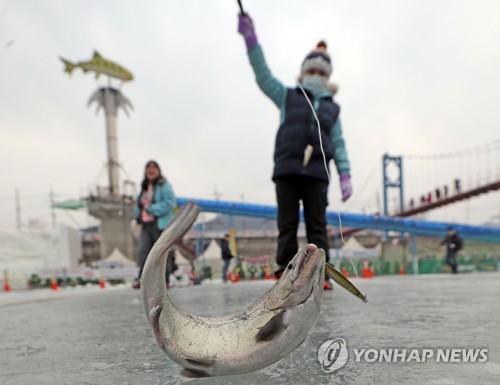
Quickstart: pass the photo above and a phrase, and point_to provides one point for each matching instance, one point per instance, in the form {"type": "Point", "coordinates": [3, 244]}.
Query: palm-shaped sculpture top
{"type": "Point", "coordinates": [111, 99]}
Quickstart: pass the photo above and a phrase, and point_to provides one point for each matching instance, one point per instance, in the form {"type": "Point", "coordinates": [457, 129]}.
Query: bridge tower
{"type": "Point", "coordinates": [396, 181]}
{"type": "Point", "coordinates": [391, 181]}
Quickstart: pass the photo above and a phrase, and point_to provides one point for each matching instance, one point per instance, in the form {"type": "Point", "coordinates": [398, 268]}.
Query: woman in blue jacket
{"type": "Point", "coordinates": [309, 136]}
{"type": "Point", "coordinates": [154, 209]}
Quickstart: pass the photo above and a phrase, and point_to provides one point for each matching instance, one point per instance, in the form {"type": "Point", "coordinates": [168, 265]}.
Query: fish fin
{"type": "Point", "coordinates": [97, 56]}
{"type": "Point", "coordinates": [69, 67]}
{"type": "Point", "coordinates": [307, 155]}
{"type": "Point", "coordinates": [154, 320]}
{"type": "Point", "coordinates": [205, 362]}
{"type": "Point", "coordinates": [193, 373]}
{"type": "Point", "coordinates": [273, 328]}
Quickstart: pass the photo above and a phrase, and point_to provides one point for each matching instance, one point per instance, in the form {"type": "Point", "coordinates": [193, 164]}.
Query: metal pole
{"type": "Point", "coordinates": [53, 211]}
{"type": "Point", "coordinates": [384, 176]}
{"type": "Point", "coordinates": [401, 189]}
{"type": "Point", "coordinates": [112, 141]}
{"type": "Point", "coordinates": [18, 209]}
{"type": "Point", "coordinates": [414, 259]}
{"type": "Point", "coordinates": [384, 180]}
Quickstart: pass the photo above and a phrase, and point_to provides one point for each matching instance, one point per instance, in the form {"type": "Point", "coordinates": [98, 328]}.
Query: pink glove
{"type": "Point", "coordinates": [345, 186]}
{"type": "Point", "coordinates": [246, 28]}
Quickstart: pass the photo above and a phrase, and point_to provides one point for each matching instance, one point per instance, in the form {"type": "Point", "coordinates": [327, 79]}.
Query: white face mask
{"type": "Point", "coordinates": [314, 83]}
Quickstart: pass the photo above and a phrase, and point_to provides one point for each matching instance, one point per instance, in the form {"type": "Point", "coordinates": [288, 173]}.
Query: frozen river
{"type": "Point", "coordinates": [101, 336]}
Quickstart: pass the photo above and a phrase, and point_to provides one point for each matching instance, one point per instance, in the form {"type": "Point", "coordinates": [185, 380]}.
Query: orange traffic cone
{"type": "Point", "coordinates": [6, 285]}
{"type": "Point", "coordinates": [267, 273]}
{"type": "Point", "coordinates": [344, 272]}
{"type": "Point", "coordinates": [402, 269]}
{"type": "Point", "coordinates": [53, 284]}
{"type": "Point", "coordinates": [102, 283]}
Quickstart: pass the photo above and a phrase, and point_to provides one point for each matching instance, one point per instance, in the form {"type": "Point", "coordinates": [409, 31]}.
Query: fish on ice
{"type": "Point", "coordinates": [250, 339]}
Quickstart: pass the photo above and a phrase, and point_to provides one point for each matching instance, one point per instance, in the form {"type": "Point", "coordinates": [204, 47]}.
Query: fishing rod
{"type": "Point", "coordinates": [241, 7]}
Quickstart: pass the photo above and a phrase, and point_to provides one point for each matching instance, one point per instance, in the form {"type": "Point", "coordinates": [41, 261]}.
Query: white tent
{"type": "Point", "coordinates": [211, 257]}
{"type": "Point", "coordinates": [38, 249]}
{"type": "Point", "coordinates": [180, 259]}
{"type": "Point", "coordinates": [116, 259]}
{"type": "Point", "coordinates": [353, 244]}
{"type": "Point", "coordinates": [212, 252]}
{"type": "Point", "coordinates": [353, 248]}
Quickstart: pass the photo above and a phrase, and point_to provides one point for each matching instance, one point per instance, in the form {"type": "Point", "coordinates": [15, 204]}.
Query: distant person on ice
{"type": "Point", "coordinates": [300, 170]}
{"type": "Point", "coordinates": [453, 245]}
{"type": "Point", "coordinates": [154, 209]}
{"type": "Point", "coordinates": [226, 255]}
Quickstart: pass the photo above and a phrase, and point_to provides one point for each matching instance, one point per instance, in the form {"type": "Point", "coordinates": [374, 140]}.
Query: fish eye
{"type": "Point", "coordinates": [290, 266]}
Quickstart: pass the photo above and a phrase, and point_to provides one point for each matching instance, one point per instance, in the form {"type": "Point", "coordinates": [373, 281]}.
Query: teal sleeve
{"type": "Point", "coordinates": [166, 203]}
{"type": "Point", "coordinates": [271, 86]}
{"type": "Point", "coordinates": [340, 153]}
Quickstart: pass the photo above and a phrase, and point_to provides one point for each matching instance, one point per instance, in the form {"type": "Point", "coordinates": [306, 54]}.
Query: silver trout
{"type": "Point", "coordinates": [247, 340]}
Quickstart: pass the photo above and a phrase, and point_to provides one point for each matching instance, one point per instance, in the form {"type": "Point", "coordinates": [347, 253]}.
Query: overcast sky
{"type": "Point", "coordinates": [416, 77]}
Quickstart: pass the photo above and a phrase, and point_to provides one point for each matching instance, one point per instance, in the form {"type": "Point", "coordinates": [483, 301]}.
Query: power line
{"type": "Point", "coordinates": [37, 175]}
{"type": "Point", "coordinates": [469, 151]}
{"type": "Point", "coordinates": [357, 194]}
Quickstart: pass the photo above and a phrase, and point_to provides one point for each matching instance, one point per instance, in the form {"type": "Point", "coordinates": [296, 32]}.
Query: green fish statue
{"type": "Point", "coordinates": [99, 65]}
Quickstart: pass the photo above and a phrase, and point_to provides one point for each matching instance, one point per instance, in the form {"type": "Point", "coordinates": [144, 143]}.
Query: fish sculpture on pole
{"type": "Point", "coordinates": [247, 340]}
{"type": "Point", "coordinates": [109, 206]}
{"type": "Point", "coordinates": [99, 65]}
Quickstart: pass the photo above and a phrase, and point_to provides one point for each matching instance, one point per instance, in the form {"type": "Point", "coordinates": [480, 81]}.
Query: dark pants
{"type": "Point", "coordinates": [290, 190]}
{"type": "Point", "coordinates": [225, 268]}
{"type": "Point", "coordinates": [149, 235]}
{"type": "Point", "coordinates": [451, 259]}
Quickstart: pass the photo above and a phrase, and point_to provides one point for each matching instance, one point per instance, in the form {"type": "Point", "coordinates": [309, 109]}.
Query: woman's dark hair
{"type": "Point", "coordinates": [145, 181]}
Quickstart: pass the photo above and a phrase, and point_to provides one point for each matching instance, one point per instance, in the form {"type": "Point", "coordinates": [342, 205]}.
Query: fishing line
{"type": "Point", "coordinates": [344, 242]}
{"type": "Point", "coordinates": [326, 167]}
{"type": "Point", "coordinates": [319, 131]}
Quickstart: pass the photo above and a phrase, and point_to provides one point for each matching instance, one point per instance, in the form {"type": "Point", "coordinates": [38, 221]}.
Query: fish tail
{"type": "Point", "coordinates": [69, 67]}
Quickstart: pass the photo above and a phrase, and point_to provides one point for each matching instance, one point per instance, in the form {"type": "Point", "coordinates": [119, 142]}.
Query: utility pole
{"type": "Point", "coordinates": [217, 194]}
{"type": "Point", "coordinates": [18, 210]}
{"type": "Point", "coordinates": [53, 211]}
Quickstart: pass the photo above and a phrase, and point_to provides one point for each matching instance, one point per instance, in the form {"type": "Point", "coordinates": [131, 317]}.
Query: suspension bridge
{"type": "Point", "coordinates": [402, 218]}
